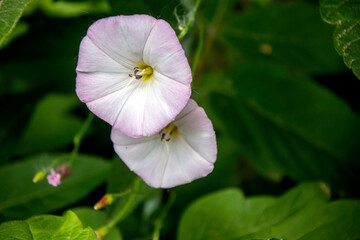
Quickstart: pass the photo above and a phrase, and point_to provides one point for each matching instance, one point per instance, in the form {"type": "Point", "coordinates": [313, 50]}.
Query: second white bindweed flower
{"type": "Point", "coordinates": [181, 152]}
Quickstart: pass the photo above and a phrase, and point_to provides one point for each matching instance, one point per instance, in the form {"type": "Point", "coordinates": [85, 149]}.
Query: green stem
{"type": "Point", "coordinates": [198, 50]}
{"type": "Point", "coordinates": [159, 221]}
{"type": "Point", "coordinates": [78, 138]}
{"type": "Point", "coordinates": [191, 19]}
{"type": "Point", "coordinates": [127, 205]}
{"type": "Point", "coordinates": [158, 226]}
{"type": "Point", "coordinates": [124, 193]}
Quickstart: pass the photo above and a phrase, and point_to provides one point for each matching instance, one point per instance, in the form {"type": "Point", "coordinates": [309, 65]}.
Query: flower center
{"type": "Point", "coordinates": [169, 132]}
{"type": "Point", "coordinates": [143, 71]}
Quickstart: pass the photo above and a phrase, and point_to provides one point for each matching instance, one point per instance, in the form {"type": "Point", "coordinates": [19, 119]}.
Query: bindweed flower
{"type": "Point", "coordinates": [54, 178]}
{"type": "Point", "coordinates": [181, 152]}
{"type": "Point", "coordinates": [133, 73]}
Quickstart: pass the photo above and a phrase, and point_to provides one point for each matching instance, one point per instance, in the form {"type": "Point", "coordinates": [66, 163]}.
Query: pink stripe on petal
{"type": "Point", "coordinates": [110, 106]}
{"type": "Point", "coordinates": [122, 37]}
{"type": "Point", "coordinates": [95, 85]}
{"type": "Point", "coordinates": [93, 59]}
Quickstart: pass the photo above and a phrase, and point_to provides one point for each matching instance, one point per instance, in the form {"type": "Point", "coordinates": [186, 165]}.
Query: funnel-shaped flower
{"type": "Point", "coordinates": [132, 72]}
{"type": "Point", "coordinates": [181, 152]}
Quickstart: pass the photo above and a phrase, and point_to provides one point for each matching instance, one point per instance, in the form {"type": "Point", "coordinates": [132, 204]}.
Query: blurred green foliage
{"type": "Point", "coordinates": [258, 78]}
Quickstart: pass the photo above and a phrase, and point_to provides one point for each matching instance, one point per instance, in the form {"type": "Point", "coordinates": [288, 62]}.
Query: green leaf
{"type": "Point", "coordinates": [286, 124]}
{"type": "Point", "coordinates": [51, 126]}
{"type": "Point", "coordinates": [20, 29]}
{"type": "Point", "coordinates": [291, 34]}
{"type": "Point", "coordinates": [10, 13]}
{"type": "Point", "coordinates": [302, 213]}
{"type": "Point", "coordinates": [96, 219]}
{"type": "Point", "coordinates": [345, 14]}
{"type": "Point", "coordinates": [22, 198]}
{"type": "Point", "coordinates": [47, 227]}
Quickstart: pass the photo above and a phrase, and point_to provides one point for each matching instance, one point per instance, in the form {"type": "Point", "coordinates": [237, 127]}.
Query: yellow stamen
{"type": "Point", "coordinates": [168, 132]}
{"type": "Point", "coordinates": [146, 71]}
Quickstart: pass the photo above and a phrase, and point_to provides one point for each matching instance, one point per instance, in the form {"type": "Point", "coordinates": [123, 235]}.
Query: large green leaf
{"type": "Point", "coordinates": [10, 13]}
{"type": "Point", "coordinates": [345, 14]}
{"type": "Point", "coordinates": [291, 34]}
{"type": "Point", "coordinates": [286, 124]}
{"type": "Point", "coordinates": [47, 227]}
{"type": "Point", "coordinates": [22, 198]}
{"type": "Point", "coordinates": [302, 213]}
{"type": "Point", "coordinates": [51, 125]}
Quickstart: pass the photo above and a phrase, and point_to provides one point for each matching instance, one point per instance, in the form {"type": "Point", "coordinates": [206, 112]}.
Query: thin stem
{"type": "Point", "coordinates": [191, 19]}
{"type": "Point", "coordinates": [127, 205]}
{"type": "Point", "coordinates": [124, 193]}
{"type": "Point", "coordinates": [159, 221]}
{"type": "Point", "coordinates": [199, 49]}
{"type": "Point", "coordinates": [78, 138]}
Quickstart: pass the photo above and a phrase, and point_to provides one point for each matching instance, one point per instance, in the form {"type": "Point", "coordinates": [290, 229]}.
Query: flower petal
{"type": "Point", "coordinates": [184, 165]}
{"type": "Point", "coordinates": [167, 98]}
{"type": "Point", "coordinates": [143, 155]}
{"type": "Point", "coordinates": [109, 107]}
{"type": "Point", "coordinates": [122, 37]}
{"type": "Point", "coordinates": [165, 54]}
{"type": "Point", "coordinates": [197, 130]}
{"type": "Point", "coordinates": [93, 59]}
{"type": "Point", "coordinates": [91, 86]}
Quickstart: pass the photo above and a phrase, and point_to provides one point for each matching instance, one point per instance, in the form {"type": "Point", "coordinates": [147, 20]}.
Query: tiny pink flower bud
{"type": "Point", "coordinates": [54, 178]}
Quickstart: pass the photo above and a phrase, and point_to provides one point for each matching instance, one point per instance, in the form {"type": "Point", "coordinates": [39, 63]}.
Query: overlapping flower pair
{"type": "Point", "coordinates": [133, 73]}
